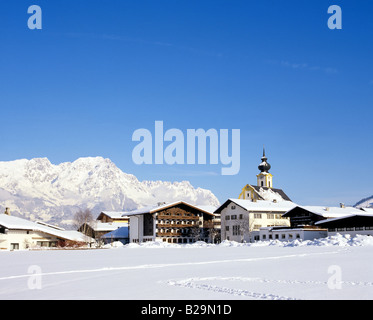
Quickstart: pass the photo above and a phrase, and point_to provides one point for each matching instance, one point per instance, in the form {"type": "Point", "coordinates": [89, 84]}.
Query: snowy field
{"type": "Point", "coordinates": [333, 268]}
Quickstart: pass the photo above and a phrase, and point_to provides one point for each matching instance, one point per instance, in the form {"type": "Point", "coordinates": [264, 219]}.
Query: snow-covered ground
{"type": "Point", "coordinates": [333, 268]}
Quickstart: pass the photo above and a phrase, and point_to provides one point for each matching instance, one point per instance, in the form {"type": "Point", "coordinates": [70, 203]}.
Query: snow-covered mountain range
{"type": "Point", "coordinates": [39, 190]}
{"type": "Point", "coordinates": [365, 203]}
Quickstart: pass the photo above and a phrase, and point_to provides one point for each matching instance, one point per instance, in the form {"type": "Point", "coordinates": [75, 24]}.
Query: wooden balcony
{"type": "Point", "coordinates": [210, 224]}
{"type": "Point", "coordinates": [174, 225]}
{"type": "Point", "coordinates": [176, 217]}
{"type": "Point", "coordinates": [170, 234]}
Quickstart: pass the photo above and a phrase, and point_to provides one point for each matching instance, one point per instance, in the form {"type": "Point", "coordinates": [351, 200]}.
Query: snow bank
{"type": "Point", "coordinates": [115, 244]}
{"type": "Point", "coordinates": [161, 244]}
{"type": "Point", "coordinates": [337, 240]}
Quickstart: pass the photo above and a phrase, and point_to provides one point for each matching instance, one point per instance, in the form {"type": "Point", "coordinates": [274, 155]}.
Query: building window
{"type": "Point", "coordinates": [233, 217]}
{"type": "Point", "coordinates": [283, 236]}
{"type": "Point", "coordinates": [14, 246]}
{"type": "Point", "coordinates": [236, 230]}
{"type": "Point", "coordinates": [263, 236]}
{"type": "Point", "coordinates": [257, 216]}
{"type": "Point", "coordinates": [227, 217]}
{"type": "Point", "coordinates": [233, 207]}
{"type": "Point", "coordinates": [241, 216]}
{"type": "Point", "coordinates": [227, 228]}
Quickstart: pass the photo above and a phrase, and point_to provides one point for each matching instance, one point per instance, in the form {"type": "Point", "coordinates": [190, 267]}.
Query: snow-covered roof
{"type": "Point", "coordinates": [367, 210]}
{"type": "Point", "coordinates": [16, 223]}
{"type": "Point", "coordinates": [142, 210]}
{"type": "Point", "coordinates": [106, 226]}
{"type": "Point", "coordinates": [76, 236]}
{"type": "Point", "coordinates": [331, 212]}
{"type": "Point", "coordinates": [209, 209]}
{"type": "Point", "coordinates": [270, 194]}
{"type": "Point", "coordinates": [121, 232]}
{"type": "Point", "coordinates": [344, 217]}
{"type": "Point", "coordinates": [114, 214]}
{"type": "Point", "coordinates": [50, 225]}
{"type": "Point", "coordinates": [153, 209]}
{"type": "Point", "coordinates": [260, 205]}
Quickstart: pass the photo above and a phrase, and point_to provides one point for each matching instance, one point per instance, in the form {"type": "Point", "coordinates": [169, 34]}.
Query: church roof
{"type": "Point", "coordinates": [270, 193]}
{"type": "Point", "coordinates": [259, 206]}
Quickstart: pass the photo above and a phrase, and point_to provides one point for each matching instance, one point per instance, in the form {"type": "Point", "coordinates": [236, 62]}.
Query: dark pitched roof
{"type": "Point", "coordinates": [279, 191]}
{"type": "Point", "coordinates": [153, 209]}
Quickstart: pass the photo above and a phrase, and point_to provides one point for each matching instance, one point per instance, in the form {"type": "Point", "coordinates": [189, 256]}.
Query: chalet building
{"type": "Point", "coordinates": [353, 224]}
{"type": "Point", "coordinates": [177, 222]}
{"type": "Point", "coordinates": [105, 228]}
{"type": "Point", "coordinates": [310, 215]}
{"type": "Point", "coordinates": [120, 234]}
{"type": "Point", "coordinates": [112, 216]}
{"type": "Point", "coordinates": [20, 234]}
{"type": "Point", "coordinates": [96, 229]}
{"type": "Point", "coordinates": [342, 219]}
{"type": "Point", "coordinates": [241, 220]}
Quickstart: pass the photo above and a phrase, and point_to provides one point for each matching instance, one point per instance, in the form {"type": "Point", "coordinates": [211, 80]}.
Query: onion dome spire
{"type": "Point", "coordinates": [264, 166]}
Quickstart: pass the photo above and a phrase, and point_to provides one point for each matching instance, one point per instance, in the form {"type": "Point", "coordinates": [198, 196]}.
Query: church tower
{"type": "Point", "coordinates": [264, 178]}
{"type": "Point", "coordinates": [264, 189]}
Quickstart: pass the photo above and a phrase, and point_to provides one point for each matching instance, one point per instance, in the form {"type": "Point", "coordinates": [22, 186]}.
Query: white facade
{"type": "Point", "coordinates": [25, 239]}
{"type": "Point", "coordinates": [242, 219]}
{"type": "Point", "coordinates": [165, 223]}
{"type": "Point", "coordinates": [20, 234]}
{"type": "Point", "coordinates": [136, 230]}
{"type": "Point", "coordinates": [289, 234]}
{"type": "Point", "coordinates": [353, 231]}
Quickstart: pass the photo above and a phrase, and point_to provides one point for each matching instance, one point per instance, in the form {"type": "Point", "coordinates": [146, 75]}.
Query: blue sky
{"type": "Point", "coordinates": [99, 70]}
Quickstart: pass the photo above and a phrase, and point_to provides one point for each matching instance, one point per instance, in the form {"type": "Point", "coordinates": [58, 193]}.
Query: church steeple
{"type": "Point", "coordinates": [264, 166]}
{"type": "Point", "coordinates": [264, 177]}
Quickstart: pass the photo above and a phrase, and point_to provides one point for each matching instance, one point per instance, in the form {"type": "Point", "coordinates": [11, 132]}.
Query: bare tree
{"type": "Point", "coordinates": [82, 220]}
{"type": "Point", "coordinates": [214, 235]}
{"type": "Point", "coordinates": [195, 233]}
{"type": "Point", "coordinates": [212, 232]}
{"type": "Point", "coordinates": [245, 226]}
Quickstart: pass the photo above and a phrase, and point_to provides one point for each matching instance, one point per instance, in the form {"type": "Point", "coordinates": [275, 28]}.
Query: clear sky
{"type": "Point", "coordinates": [99, 70]}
